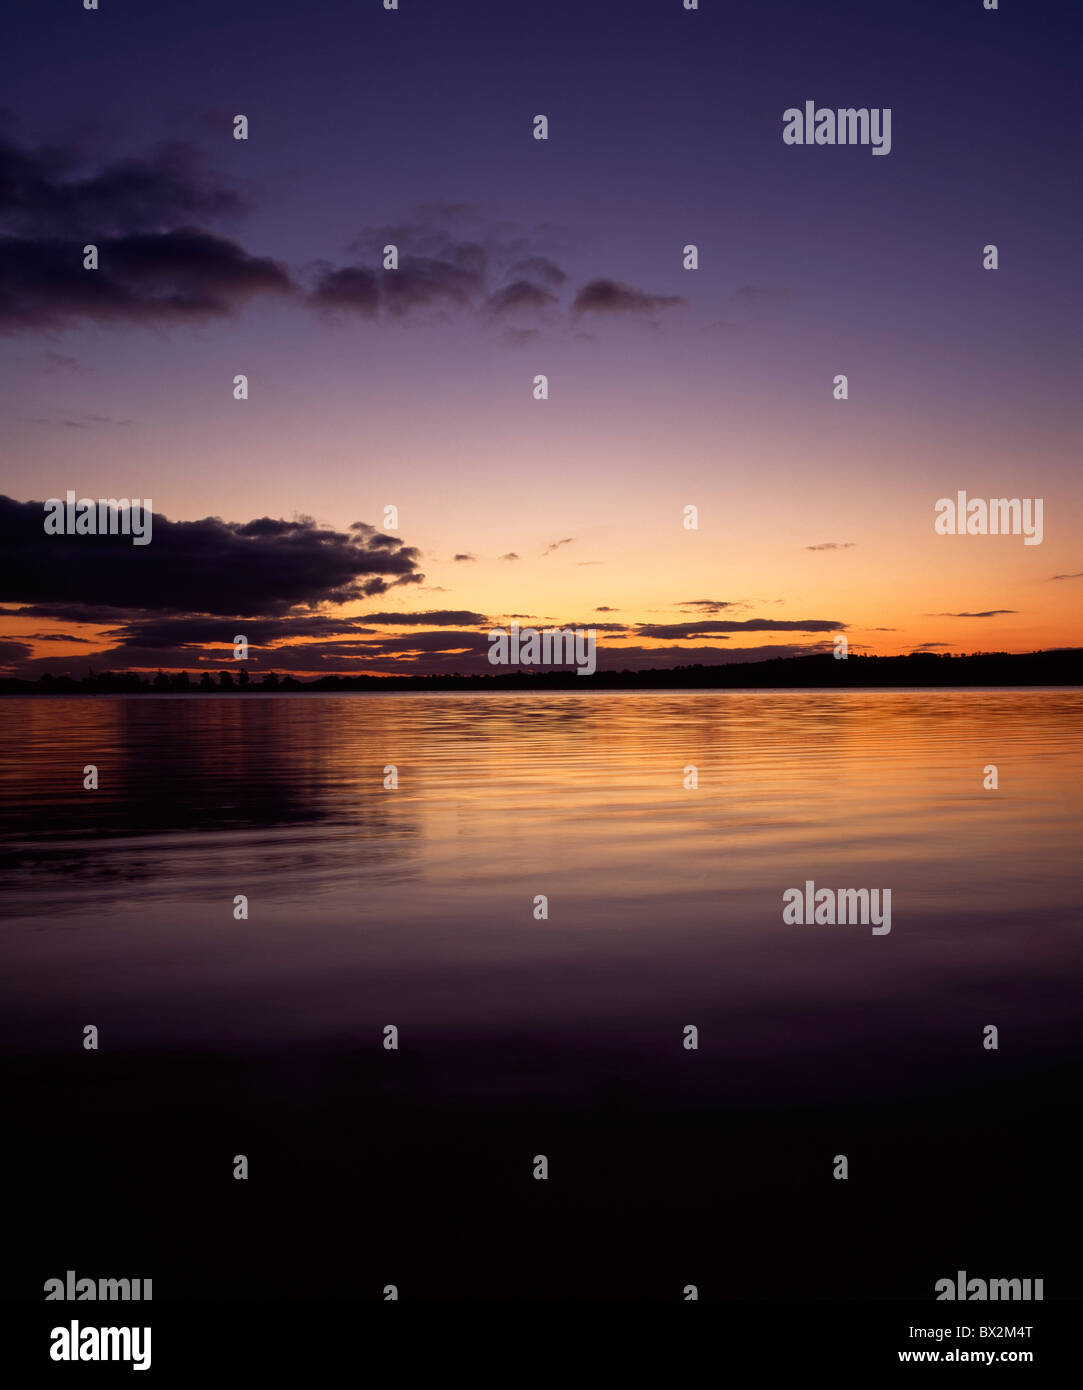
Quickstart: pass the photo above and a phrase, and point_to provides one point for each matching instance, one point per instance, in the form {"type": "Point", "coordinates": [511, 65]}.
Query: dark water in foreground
{"type": "Point", "coordinates": [563, 1037]}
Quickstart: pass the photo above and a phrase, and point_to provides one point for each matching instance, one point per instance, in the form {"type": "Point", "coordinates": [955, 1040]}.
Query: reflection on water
{"type": "Point", "coordinates": [414, 906]}
{"type": "Point", "coordinates": [425, 892]}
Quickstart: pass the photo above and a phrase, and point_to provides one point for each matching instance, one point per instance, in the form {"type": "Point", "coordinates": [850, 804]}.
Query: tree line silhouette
{"type": "Point", "coordinates": [918, 669]}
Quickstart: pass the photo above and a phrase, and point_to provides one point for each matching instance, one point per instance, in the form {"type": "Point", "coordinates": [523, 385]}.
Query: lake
{"type": "Point", "coordinates": [566, 1035]}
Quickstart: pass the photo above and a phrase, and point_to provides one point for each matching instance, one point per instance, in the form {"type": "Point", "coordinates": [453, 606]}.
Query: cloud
{"type": "Point", "coordinates": [664, 658]}
{"type": "Point", "coordinates": [833, 545]}
{"type": "Point", "coordinates": [50, 194]}
{"type": "Point", "coordinates": [605, 609]}
{"type": "Point", "coordinates": [461, 559]}
{"type": "Point", "coordinates": [203, 630]}
{"type": "Point", "coordinates": [521, 294]}
{"type": "Point", "coordinates": [352, 287]}
{"type": "Point", "coordinates": [87, 419]}
{"type": "Point", "coordinates": [413, 654]}
{"type": "Point", "coordinates": [262, 568]}
{"type": "Point", "coordinates": [420, 282]}
{"type": "Point", "coordinates": [12, 654]}
{"type": "Point", "coordinates": [610, 297]}
{"type": "Point", "coordinates": [1068, 576]}
{"type": "Point", "coordinates": [155, 263]}
{"type": "Point", "coordinates": [685, 631]}
{"type": "Point", "coordinates": [176, 276]}
{"type": "Point", "coordinates": [511, 555]}
{"type": "Point", "coordinates": [437, 618]}
{"type": "Point", "coordinates": [555, 545]}
{"type": "Point", "coordinates": [296, 642]}
{"type": "Point", "coordinates": [264, 632]}
{"type": "Point", "coordinates": [451, 641]}
{"type": "Point", "coordinates": [989, 613]}
{"type": "Point", "coordinates": [592, 625]}
{"type": "Point", "coordinates": [449, 259]}
{"type": "Point", "coordinates": [709, 605]}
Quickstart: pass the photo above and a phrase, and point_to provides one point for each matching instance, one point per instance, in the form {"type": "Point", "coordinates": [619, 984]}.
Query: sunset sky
{"type": "Point", "coordinates": [414, 387]}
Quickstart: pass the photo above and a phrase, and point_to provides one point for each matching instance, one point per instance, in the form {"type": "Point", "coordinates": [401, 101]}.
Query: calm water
{"type": "Point", "coordinates": [414, 907]}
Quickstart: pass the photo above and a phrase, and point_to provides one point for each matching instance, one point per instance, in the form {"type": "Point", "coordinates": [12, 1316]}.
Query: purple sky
{"type": "Point", "coordinates": [668, 387]}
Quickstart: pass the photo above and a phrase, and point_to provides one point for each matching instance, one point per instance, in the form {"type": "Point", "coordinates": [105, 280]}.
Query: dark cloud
{"type": "Point", "coordinates": [989, 613]}
{"type": "Point", "coordinates": [430, 642]}
{"type": "Point", "coordinates": [97, 615]}
{"type": "Point", "coordinates": [605, 609]}
{"type": "Point", "coordinates": [833, 545]}
{"type": "Point", "coordinates": [155, 262]}
{"type": "Point", "coordinates": [420, 283]}
{"type": "Point", "coordinates": [461, 559]}
{"type": "Point", "coordinates": [609, 297]}
{"type": "Point", "coordinates": [414, 654]}
{"type": "Point", "coordinates": [182, 275]}
{"type": "Point", "coordinates": [262, 568]}
{"type": "Point", "coordinates": [202, 631]}
{"type": "Point", "coordinates": [49, 194]}
{"type": "Point", "coordinates": [449, 258]}
{"type": "Point", "coordinates": [591, 625]}
{"type": "Point", "coordinates": [310, 642]}
{"type": "Point", "coordinates": [708, 605]}
{"type": "Point", "coordinates": [80, 424]}
{"type": "Point", "coordinates": [420, 652]}
{"type": "Point", "coordinates": [12, 654]}
{"type": "Point", "coordinates": [353, 287]}
{"type": "Point", "coordinates": [511, 555]}
{"type": "Point", "coordinates": [555, 545]}
{"type": "Point", "coordinates": [441, 617]}
{"type": "Point", "coordinates": [1068, 576]}
{"type": "Point", "coordinates": [664, 658]}
{"type": "Point", "coordinates": [685, 631]}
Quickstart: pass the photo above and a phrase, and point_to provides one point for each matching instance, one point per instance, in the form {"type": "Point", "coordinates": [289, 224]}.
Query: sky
{"type": "Point", "coordinates": [414, 388]}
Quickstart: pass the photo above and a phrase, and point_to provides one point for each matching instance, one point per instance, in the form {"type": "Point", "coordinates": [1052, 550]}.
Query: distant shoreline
{"type": "Point", "coordinates": [918, 671]}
